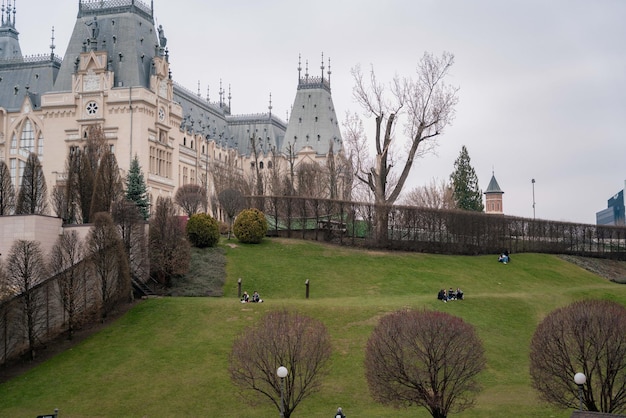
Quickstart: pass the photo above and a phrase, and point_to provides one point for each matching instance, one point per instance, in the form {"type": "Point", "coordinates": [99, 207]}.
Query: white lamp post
{"type": "Point", "coordinates": [282, 372]}
{"type": "Point", "coordinates": [580, 379]}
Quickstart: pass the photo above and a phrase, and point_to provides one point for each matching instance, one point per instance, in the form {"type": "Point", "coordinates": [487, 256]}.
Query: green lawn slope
{"type": "Point", "coordinates": [168, 357]}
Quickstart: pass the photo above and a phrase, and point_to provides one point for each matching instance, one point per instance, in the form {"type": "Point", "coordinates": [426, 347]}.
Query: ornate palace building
{"type": "Point", "coordinates": [115, 74]}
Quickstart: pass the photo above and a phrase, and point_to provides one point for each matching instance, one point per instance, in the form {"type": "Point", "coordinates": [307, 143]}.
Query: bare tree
{"type": "Point", "coordinates": [291, 160]}
{"type": "Point", "coordinates": [435, 195]}
{"type": "Point", "coordinates": [32, 197]}
{"type": "Point", "coordinates": [428, 105]}
{"type": "Point", "coordinates": [232, 201]}
{"type": "Point", "coordinates": [191, 198]}
{"type": "Point", "coordinates": [129, 219]}
{"type": "Point", "coordinates": [274, 178]}
{"type": "Point", "coordinates": [170, 252]}
{"type": "Point", "coordinates": [85, 167]}
{"type": "Point", "coordinates": [106, 252]}
{"type": "Point", "coordinates": [588, 336]}
{"type": "Point", "coordinates": [312, 180]}
{"type": "Point", "coordinates": [26, 268]}
{"type": "Point", "coordinates": [425, 358]}
{"type": "Point", "coordinates": [66, 262]}
{"type": "Point", "coordinates": [297, 342]}
{"type": "Point", "coordinates": [256, 150]}
{"type": "Point", "coordinates": [7, 191]}
{"type": "Point", "coordinates": [357, 155]}
{"type": "Point", "coordinates": [108, 186]}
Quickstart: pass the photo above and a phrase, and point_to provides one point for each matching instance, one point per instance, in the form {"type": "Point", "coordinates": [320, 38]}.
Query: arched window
{"type": "Point", "coordinates": [261, 165]}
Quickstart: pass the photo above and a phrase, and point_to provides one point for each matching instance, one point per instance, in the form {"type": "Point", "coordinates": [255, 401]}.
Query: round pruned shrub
{"type": "Point", "coordinates": [203, 231]}
{"type": "Point", "coordinates": [250, 226]}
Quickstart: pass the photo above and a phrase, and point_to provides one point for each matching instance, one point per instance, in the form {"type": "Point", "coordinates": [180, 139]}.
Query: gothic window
{"type": "Point", "coordinates": [261, 165]}
{"type": "Point", "coordinates": [17, 171]}
{"type": "Point", "coordinates": [27, 141]}
{"type": "Point", "coordinates": [269, 164]}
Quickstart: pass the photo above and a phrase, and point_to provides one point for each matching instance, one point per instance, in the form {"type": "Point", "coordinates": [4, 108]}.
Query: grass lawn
{"type": "Point", "coordinates": [168, 357]}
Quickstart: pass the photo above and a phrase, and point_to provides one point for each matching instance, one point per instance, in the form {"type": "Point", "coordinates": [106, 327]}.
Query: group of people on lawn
{"type": "Point", "coordinates": [451, 294]}
{"type": "Point", "coordinates": [255, 297]}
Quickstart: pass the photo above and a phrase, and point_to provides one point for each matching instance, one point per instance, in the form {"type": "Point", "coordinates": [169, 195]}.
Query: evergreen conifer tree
{"type": "Point", "coordinates": [136, 189]}
{"type": "Point", "coordinates": [467, 195]}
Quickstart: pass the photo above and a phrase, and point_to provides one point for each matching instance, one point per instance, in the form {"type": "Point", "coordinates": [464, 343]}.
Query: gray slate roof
{"type": "Point", "coordinates": [493, 186]}
{"type": "Point", "coordinates": [125, 29]}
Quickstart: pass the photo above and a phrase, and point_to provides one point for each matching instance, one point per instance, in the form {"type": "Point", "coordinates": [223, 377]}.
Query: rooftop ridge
{"type": "Point", "coordinates": [90, 7]}
{"type": "Point", "coordinates": [189, 94]}
{"type": "Point", "coordinates": [30, 59]}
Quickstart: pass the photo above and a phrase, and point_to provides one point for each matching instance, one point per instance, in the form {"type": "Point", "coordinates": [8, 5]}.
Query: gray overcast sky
{"type": "Point", "coordinates": [542, 83]}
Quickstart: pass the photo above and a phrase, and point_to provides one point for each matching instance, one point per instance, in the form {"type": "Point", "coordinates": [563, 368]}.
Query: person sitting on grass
{"type": "Point", "coordinates": [245, 298]}
{"type": "Point", "coordinates": [256, 298]}
{"type": "Point", "coordinates": [442, 295]}
{"type": "Point", "coordinates": [459, 293]}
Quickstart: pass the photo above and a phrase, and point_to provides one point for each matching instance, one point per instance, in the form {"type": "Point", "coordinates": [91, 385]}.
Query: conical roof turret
{"type": "Point", "coordinates": [493, 186]}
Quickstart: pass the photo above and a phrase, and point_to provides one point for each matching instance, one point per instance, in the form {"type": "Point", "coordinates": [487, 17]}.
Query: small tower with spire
{"type": "Point", "coordinates": [493, 197]}
{"type": "Point", "coordinates": [9, 36]}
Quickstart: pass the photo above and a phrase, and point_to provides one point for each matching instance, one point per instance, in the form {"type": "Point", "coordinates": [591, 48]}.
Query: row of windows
{"type": "Point", "coordinates": [161, 162]}
{"type": "Point", "coordinates": [261, 165]}
{"type": "Point", "coordinates": [186, 178]}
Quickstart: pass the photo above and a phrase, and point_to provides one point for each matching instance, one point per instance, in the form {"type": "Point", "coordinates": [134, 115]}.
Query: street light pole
{"type": "Point", "coordinates": [282, 372]}
{"type": "Point", "coordinates": [533, 181]}
{"type": "Point", "coordinates": [580, 379]}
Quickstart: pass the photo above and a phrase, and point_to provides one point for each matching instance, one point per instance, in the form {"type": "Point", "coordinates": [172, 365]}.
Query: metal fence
{"type": "Point", "coordinates": [434, 231]}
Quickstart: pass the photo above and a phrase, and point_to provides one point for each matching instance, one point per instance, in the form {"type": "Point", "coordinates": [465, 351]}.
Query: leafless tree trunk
{"type": "Point", "coordinates": [425, 358]}
{"type": "Point", "coordinates": [26, 269]}
{"type": "Point", "coordinates": [255, 149]}
{"type": "Point", "coordinates": [426, 103]}
{"type": "Point", "coordinates": [66, 262]}
{"type": "Point", "coordinates": [588, 336]}
{"type": "Point", "coordinates": [299, 343]}
{"type": "Point", "coordinates": [107, 257]}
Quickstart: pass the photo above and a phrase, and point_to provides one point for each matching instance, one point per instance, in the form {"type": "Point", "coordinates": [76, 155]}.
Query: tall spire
{"type": "Point", "coordinates": [270, 106]}
{"type": "Point", "coordinates": [329, 72]}
{"type": "Point", "coordinates": [8, 34]}
{"type": "Point", "coordinates": [52, 46]}
{"type": "Point", "coordinates": [7, 20]}
{"type": "Point", "coordinates": [299, 67]}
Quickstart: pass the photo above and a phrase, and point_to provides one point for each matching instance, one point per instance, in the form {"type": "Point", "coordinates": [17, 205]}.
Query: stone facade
{"type": "Point", "coordinates": [116, 75]}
